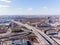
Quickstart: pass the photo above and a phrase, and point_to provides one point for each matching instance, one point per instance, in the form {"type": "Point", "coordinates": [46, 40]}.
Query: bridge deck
{"type": "Point", "coordinates": [42, 38]}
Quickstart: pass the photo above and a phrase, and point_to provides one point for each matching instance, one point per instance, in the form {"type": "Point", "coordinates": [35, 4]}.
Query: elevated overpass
{"type": "Point", "coordinates": [42, 38]}
{"type": "Point", "coordinates": [55, 24]}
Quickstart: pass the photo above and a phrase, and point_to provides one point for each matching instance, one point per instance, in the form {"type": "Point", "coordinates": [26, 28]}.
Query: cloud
{"type": "Point", "coordinates": [30, 9]}
{"type": "Point", "coordinates": [7, 1]}
{"type": "Point", "coordinates": [4, 6]}
{"type": "Point", "coordinates": [19, 8]}
{"type": "Point", "coordinates": [45, 7]}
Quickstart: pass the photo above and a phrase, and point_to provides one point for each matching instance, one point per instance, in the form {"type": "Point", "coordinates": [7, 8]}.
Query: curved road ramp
{"type": "Point", "coordinates": [42, 38]}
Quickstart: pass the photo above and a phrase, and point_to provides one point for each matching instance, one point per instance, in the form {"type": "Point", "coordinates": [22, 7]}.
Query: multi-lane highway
{"type": "Point", "coordinates": [41, 36]}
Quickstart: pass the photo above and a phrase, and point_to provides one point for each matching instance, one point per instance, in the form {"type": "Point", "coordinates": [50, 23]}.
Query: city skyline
{"type": "Point", "coordinates": [29, 7]}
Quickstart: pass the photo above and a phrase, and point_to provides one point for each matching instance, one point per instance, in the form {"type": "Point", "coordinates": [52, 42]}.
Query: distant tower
{"type": "Point", "coordinates": [49, 20]}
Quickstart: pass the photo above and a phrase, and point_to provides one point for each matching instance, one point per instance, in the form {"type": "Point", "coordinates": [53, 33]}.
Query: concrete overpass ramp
{"type": "Point", "coordinates": [41, 37]}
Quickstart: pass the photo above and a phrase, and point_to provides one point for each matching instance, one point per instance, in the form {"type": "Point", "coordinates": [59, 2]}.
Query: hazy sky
{"type": "Point", "coordinates": [30, 7]}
